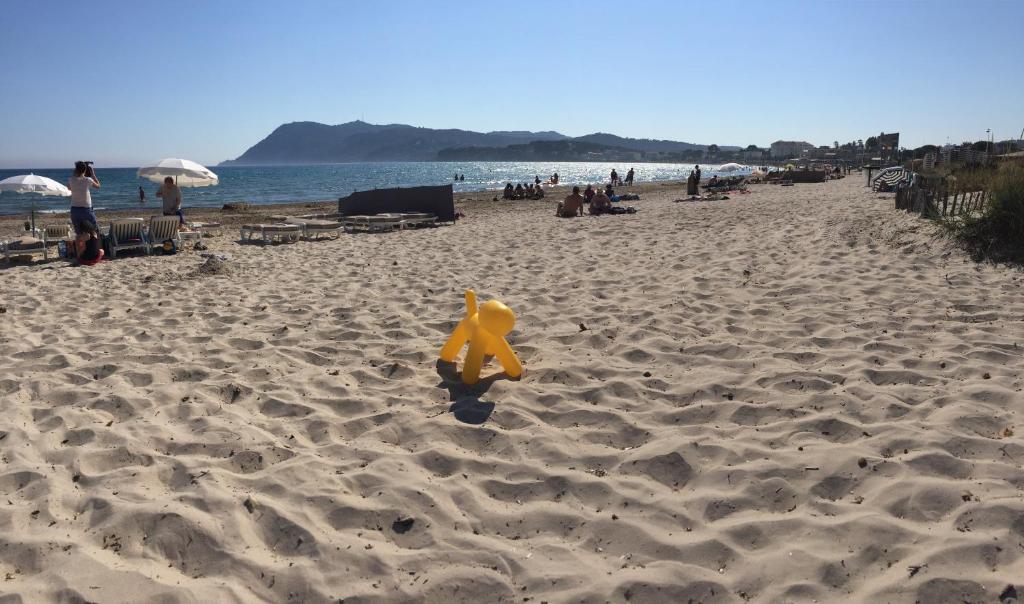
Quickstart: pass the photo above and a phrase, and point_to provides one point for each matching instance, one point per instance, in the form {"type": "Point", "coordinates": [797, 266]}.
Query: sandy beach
{"type": "Point", "coordinates": [795, 395]}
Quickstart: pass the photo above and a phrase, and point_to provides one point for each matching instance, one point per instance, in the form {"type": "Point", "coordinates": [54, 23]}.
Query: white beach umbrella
{"type": "Point", "coordinates": [730, 167]}
{"type": "Point", "coordinates": [186, 173]}
{"type": "Point", "coordinates": [40, 185]}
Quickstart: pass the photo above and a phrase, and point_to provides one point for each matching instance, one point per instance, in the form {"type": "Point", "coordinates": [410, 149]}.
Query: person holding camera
{"type": "Point", "coordinates": [80, 184]}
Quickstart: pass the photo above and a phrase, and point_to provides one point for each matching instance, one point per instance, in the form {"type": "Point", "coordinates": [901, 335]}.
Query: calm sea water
{"type": "Point", "coordinates": [277, 184]}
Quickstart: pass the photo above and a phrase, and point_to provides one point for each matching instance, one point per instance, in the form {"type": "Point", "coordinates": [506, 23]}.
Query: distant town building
{"type": "Point", "coordinates": [888, 144]}
{"type": "Point", "coordinates": [963, 153]}
{"type": "Point", "coordinates": [752, 154]}
{"type": "Point", "coordinates": [929, 161]}
{"type": "Point", "coordinates": [788, 149]}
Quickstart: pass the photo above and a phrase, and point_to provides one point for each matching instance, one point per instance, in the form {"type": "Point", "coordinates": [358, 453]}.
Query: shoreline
{"type": "Point", "coordinates": [12, 225]}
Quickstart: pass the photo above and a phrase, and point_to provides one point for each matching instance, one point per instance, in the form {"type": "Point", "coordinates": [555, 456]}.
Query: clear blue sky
{"type": "Point", "coordinates": [123, 82]}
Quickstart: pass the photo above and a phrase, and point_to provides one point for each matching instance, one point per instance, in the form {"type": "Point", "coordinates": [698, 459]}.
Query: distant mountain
{"type": "Point", "coordinates": [640, 144]}
{"type": "Point", "coordinates": [312, 142]}
{"type": "Point", "coordinates": [559, 150]}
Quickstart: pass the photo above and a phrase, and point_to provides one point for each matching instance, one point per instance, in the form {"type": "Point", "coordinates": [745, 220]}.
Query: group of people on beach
{"type": "Point", "coordinates": [617, 180]}
{"type": "Point", "coordinates": [597, 201]}
{"type": "Point", "coordinates": [531, 190]}
{"type": "Point", "coordinates": [87, 245]}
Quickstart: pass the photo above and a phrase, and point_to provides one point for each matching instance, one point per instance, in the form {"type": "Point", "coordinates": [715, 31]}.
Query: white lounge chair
{"type": "Point", "coordinates": [373, 222]}
{"type": "Point", "coordinates": [312, 227]}
{"type": "Point", "coordinates": [45, 238]}
{"type": "Point", "coordinates": [268, 233]}
{"type": "Point", "coordinates": [127, 234]}
{"type": "Point", "coordinates": [415, 219]}
{"type": "Point", "coordinates": [161, 229]}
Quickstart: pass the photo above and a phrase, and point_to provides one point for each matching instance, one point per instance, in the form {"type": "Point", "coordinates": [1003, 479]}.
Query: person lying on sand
{"type": "Point", "coordinates": [572, 206]}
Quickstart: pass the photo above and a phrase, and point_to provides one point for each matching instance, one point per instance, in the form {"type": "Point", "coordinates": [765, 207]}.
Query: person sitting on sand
{"type": "Point", "coordinates": [538, 192]}
{"type": "Point", "coordinates": [171, 195]}
{"type": "Point", "coordinates": [588, 194]}
{"type": "Point", "coordinates": [610, 193]}
{"type": "Point", "coordinates": [713, 181]}
{"type": "Point", "coordinates": [508, 191]}
{"type": "Point", "coordinates": [600, 204]}
{"type": "Point", "coordinates": [87, 245]}
{"type": "Point", "coordinates": [572, 206]}
{"type": "Point", "coordinates": [529, 189]}
{"type": "Point", "coordinates": [519, 191]}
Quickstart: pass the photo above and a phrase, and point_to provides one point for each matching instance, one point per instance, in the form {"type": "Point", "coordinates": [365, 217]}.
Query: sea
{"type": "Point", "coordinates": [327, 182]}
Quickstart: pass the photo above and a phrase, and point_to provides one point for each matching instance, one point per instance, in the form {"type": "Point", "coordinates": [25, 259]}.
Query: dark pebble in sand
{"type": "Point", "coordinates": [987, 376]}
{"type": "Point", "coordinates": [402, 526]}
{"type": "Point", "coordinates": [863, 463]}
{"type": "Point", "coordinates": [647, 374]}
{"type": "Point", "coordinates": [583, 327]}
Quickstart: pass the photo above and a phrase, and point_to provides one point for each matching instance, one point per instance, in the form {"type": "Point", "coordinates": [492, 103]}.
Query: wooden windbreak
{"type": "Point", "coordinates": [935, 199]}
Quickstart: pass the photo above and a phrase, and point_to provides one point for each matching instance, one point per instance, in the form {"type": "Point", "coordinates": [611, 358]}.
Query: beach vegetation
{"type": "Point", "coordinates": [996, 233]}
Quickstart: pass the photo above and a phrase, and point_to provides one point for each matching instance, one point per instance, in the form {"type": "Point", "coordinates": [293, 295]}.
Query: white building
{"type": "Point", "coordinates": [788, 149]}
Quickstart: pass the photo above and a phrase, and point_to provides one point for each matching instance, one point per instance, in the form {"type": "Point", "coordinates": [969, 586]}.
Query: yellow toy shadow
{"type": "Point", "coordinates": [485, 330]}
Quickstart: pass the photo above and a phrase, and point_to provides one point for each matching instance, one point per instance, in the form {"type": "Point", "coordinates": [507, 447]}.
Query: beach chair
{"type": "Point", "coordinates": [127, 234]}
{"type": "Point", "coordinates": [23, 246]}
{"type": "Point", "coordinates": [373, 222]}
{"type": "Point", "coordinates": [161, 229]}
{"type": "Point", "coordinates": [418, 219]}
{"type": "Point", "coordinates": [45, 239]}
{"type": "Point", "coordinates": [315, 228]}
{"type": "Point", "coordinates": [268, 233]}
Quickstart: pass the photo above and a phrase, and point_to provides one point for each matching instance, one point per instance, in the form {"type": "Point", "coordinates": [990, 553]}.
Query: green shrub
{"type": "Point", "coordinates": [997, 233]}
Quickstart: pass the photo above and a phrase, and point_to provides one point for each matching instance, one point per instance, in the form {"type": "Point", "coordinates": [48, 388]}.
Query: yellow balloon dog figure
{"type": "Point", "coordinates": [485, 331]}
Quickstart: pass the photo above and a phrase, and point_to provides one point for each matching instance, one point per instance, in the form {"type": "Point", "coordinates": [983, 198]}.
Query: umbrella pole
{"type": "Point", "coordinates": [33, 218]}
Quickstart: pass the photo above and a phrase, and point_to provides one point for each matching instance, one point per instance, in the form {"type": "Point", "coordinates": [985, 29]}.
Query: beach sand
{"type": "Point", "coordinates": [794, 395]}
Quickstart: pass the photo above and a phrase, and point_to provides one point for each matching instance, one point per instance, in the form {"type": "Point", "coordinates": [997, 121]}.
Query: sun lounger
{"type": "Point", "coordinates": [415, 219]}
{"type": "Point", "coordinates": [312, 227]}
{"type": "Point", "coordinates": [268, 233]}
{"type": "Point", "coordinates": [373, 222]}
{"type": "Point", "coordinates": [204, 227]}
{"type": "Point", "coordinates": [45, 239]}
{"type": "Point", "coordinates": [161, 229]}
{"type": "Point", "coordinates": [127, 234]}
{"type": "Point", "coordinates": [24, 246]}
